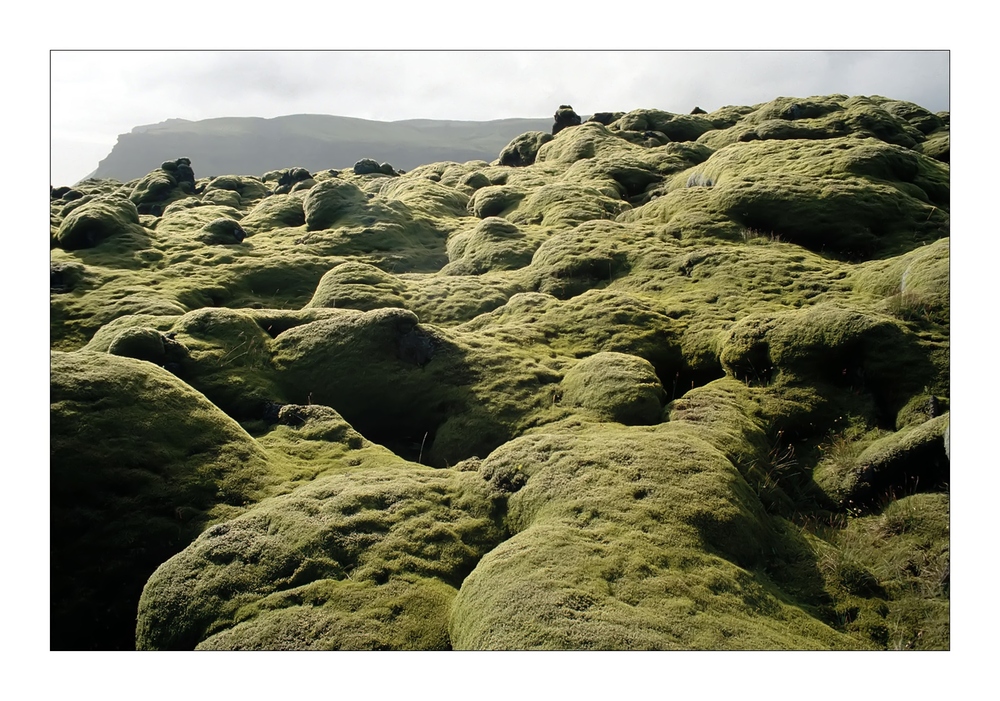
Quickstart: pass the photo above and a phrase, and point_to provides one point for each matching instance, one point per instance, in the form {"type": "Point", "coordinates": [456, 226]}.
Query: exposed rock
{"type": "Point", "coordinates": [366, 166]}
{"type": "Point", "coordinates": [565, 117]}
{"type": "Point", "coordinates": [605, 118]}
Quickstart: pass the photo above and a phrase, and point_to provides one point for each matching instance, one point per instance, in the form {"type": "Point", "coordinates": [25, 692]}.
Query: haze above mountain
{"type": "Point", "coordinates": [253, 145]}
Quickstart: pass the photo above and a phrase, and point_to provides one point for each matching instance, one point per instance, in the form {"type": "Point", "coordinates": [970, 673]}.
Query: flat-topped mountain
{"type": "Point", "coordinates": [252, 145]}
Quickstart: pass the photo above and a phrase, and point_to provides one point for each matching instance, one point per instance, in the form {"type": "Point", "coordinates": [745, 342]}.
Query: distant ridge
{"type": "Point", "coordinates": [253, 145]}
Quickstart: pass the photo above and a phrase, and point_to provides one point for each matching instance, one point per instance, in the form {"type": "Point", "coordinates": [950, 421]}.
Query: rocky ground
{"type": "Point", "coordinates": [650, 381]}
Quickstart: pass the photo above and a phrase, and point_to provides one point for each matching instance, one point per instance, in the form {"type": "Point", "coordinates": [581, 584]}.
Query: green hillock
{"type": "Point", "coordinates": [654, 381]}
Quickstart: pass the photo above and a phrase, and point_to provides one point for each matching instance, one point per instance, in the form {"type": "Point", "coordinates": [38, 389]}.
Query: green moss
{"type": "Point", "coordinates": [399, 532]}
{"type": "Point", "coordinates": [402, 614]}
{"type": "Point", "coordinates": [676, 127]}
{"type": "Point", "coordinates": [595, 321]}
{"type": "Point", "coordinates": [493, 244]}
{"type": "Point", "coordinates": [452, 299]}
{"type": "Point", "coordinates": [329, 201]}
{"type": "Point", "coordinates": [394, 380]}
{"type": "Point", "coordinates": [275, 212]}
{"type": "Point", "coordinates": [588, 256]}
{"type": "Point", "coordinates": [890, 466]}
{"type": "Point", "coordinates": [819, 118]}
{"type": "Point", "coordinates": [889, 573]}
{"type": "Point", "coordinates": [567, 205]}
{"type": "Point", "coordinates": [222, 231]}
{"type": "Point", "coordinates": [90, 224]}
{"type": "Point", "coordinates": [358, 286]}
{"type": "Point", "coordinates": [494, 201]}
{"type": "Point", "coordinates": [246, 187]}
{"type": "Point", "coordinates": [615, 386]}
{"type": "Point", "coordinates": [523, 149]}
{"type": "Point", "coordinates": [832, 345]}
{"type": "Point", "coordinates": [563, 581]}
{"type": "Point", "coordinates": [426, 197]}
{"type": "Point", "coordinates": [178, 225]}
{"type": "Point", "coordinates": [139, 463]}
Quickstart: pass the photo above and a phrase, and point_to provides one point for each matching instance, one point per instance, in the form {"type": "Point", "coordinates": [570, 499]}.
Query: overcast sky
{"type": "Point", "coordinates": [97, 95]}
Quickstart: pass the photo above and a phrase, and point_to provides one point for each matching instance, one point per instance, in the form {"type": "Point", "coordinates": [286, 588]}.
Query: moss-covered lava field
{"type": "Point", "coordinates": [651, 381]}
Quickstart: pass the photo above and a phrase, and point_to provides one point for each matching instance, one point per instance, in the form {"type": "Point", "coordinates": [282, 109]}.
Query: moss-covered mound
{"type": "Point", "coordinates": [615, 386]}
{"type": "Point", "coordinates": [369, 559]}
{"type": "Point", "coordinates": [140, 464]}
{"type": "Point", "coordinates": [651, 381]}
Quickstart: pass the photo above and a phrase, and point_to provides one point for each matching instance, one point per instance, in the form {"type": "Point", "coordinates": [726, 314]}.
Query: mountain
{"type": "Point", "coordinates": [252, 145]}
{"type": "Point", "coordinates": [656, 381]}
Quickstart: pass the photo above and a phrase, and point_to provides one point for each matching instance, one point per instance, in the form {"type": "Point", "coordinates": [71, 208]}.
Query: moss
{"type": "Point", "coordinates": [390, 377]}
{"type": "Point", "coordinates": [178, 226]}
{"type": "Point", "coordinates": [91, 223]}
{"type": "Point", "coordinates": [426, 197]}
{"type": "Point", "coordinates": [523, 149]}
{"type": "Point", "coordinates": [676, 127]}
{"type": "Point", "coordinates": [595, 321]}
{"type": "Point", "coordinates": [566, 205]}
{"type": "Point", "coordinates": [275, 212]}
{"type": "Point", "coordinates": [222, 231]}
{"type": "Point", "coordinates": [564, 582]}
{"type": "Point", "coordinates": [399, 532]}
{"type": "Point", "coordinates": [229, 360]}
{"type": "Point", "coordinates": [914, 287]}
{"type": "Point", "coordinates": [903, 555]}
{"type": "Point", "coordinates": [494, 201]}
{"type": "Point", "coordinates": [615, 386]}
{"type": "Point", "coordinates": [589, 256]}
{"type": "Point", "coordinates": [139, 462]}
{"type": "Point", "coordinates": [493, 244]}
{"type": "Point", "coordinates": [329, 201]}
{"type": "Point", "coordinates": [452, 299]}
{"type": "Point", "coordinates": [898, 463]}
{"type": "Point", "coordinates": [937, 145]}
{"type": "Point", "coordinates": [358, 286]}
{"type": "Point", "coordinates": [587, 141]}
{"type": "Point", "coordinates": [402, 614]}
{"type": "Point", "coordinates": [173, 180]}
{"type": "Point", "coordinates": [247, 188]}
{"type": "Point", "coordinates": [833, 345]}
{"type": "Point", "coordinates": [140, 343]}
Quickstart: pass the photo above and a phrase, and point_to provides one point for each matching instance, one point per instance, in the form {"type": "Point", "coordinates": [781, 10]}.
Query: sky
{"type": "Point", "coordinates": [98, 94]}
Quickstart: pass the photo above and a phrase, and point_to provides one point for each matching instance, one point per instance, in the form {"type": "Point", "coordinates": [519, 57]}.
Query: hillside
{"type": "Point", "coordinates": [657, 381]}
{"type": "Point", "coordinates": [254, 145]}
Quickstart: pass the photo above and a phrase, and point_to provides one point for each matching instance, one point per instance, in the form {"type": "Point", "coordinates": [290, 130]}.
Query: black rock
{"type": "Point", "coordinates": [366, 166]}
{"type": "Point", "coordinates": [565, 117]}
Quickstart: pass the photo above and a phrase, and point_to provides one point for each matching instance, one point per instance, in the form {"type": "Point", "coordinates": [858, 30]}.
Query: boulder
{"type": "Point", "coordinates": [367, 166]}
{"type": "Point", "coordinates": [565, 117]}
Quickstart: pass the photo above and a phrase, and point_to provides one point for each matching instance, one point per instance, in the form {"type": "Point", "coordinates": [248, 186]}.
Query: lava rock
{"type": "Point", "coordinates": [565, 117]}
